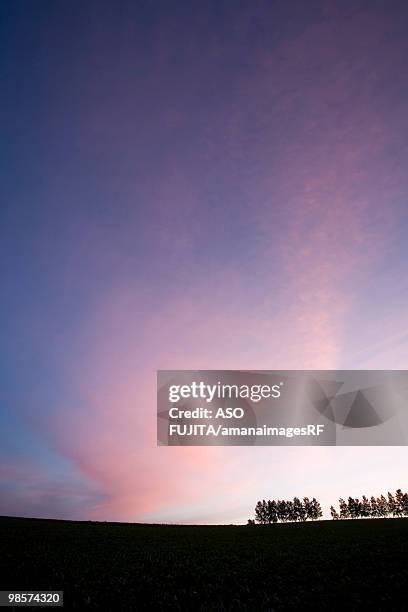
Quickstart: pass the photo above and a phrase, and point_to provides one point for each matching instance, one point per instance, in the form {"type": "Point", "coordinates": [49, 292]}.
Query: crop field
{"type": "Point", "coordinates": [340, 565]}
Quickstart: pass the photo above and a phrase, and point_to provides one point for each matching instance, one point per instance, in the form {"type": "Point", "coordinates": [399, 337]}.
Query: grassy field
{"type": "Point", "coordinates": [348, 565]}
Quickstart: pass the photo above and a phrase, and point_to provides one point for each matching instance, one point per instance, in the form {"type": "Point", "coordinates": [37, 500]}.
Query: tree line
{"type": "Point", "coordinates": [376, 507]}
{"type": "Point", "coordinates": [271, 511]}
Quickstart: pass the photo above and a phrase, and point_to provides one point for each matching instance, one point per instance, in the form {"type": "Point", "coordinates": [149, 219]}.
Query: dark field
{"type": "Point", "coordinates": [348, 565]}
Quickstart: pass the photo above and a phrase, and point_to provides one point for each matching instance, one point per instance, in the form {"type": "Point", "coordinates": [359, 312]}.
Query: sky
{"type": "Point", "coordinates": [193, 185]}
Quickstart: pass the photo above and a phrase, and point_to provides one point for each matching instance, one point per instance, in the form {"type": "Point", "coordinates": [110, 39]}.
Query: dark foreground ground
{"type": "Point", "coordinates": [344, 565]}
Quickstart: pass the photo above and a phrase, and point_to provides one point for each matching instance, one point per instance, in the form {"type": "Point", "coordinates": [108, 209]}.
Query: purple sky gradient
{"type": "Point", "coordinates": [217, 186]}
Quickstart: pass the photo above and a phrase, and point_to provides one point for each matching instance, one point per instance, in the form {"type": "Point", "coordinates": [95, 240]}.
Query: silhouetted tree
{"type": "Point", "coordinates": [382, 506]}
{"type": "Point", "coordinates": [307, 507]}
{"type": "Point", "coordinates": [390, 503]}
{"type": "Point", "coordinates": [282, 510]}
{"type": "Point", "coordinates": [399, 503]}
{"type": "Point", "coordinates": [316, 512]}
{"type": "Point", "coordinates": [353, 507]}
{"type": "Point", "coordinates": [334, 513]}
{"type": "Point", "coordinates": [405, 504]}
{"type": "Point", "coordinates": [291, 516]}
{"type": "Point", "coordinates": [272, 511]}
{"type": "Point", "coordinates": [365, 507]}
{"type": "Point", "coordinates": [344, 511]}
{"type": "Point", "coordinates": [373, 507]}
{"type": "Point", "coordinates": [261, 515]}
{"type": "Point", "coordinates": [298, 510]}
